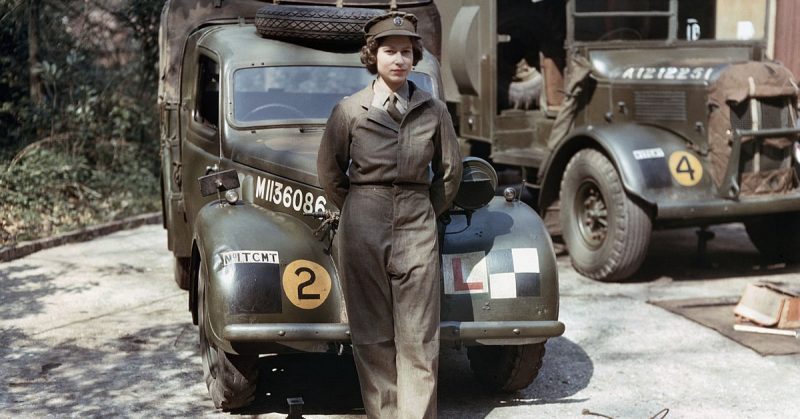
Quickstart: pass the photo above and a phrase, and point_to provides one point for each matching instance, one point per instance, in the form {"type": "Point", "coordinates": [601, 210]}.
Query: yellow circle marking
{"type": "Point", "coordinates": [685, 168]}
{"type": "Point", "coordinates": [307, 284]}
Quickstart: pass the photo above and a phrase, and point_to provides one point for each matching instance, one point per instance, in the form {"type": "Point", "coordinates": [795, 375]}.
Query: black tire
{"type": "Point", "coordinates": [506, 368]}
{"type": "Point", "coordinates": [182, 272]}
{"type": "Point", "coordinates": [314, 23]}
{"type": "Point", "coordinates": [776, 236]}
{"type": "Point", "coordinates": [231, 379]}
{"type": "Point", "coordinates": [606, 232]}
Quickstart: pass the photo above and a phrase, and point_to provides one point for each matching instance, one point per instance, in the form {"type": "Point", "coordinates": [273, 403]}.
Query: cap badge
{"type": "Point", "coordinates": [398, 21]}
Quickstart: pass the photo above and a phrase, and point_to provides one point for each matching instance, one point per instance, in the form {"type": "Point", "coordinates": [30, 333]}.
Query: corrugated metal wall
{"type": "Point", "coordinates": [787, 34]}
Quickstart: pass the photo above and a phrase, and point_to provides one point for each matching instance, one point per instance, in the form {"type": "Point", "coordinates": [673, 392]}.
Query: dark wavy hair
{"type": "Point", "coordinates": [369, 53]}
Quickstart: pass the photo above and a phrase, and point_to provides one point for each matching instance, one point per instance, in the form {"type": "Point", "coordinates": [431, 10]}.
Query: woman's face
{"type": "Point", "coordinates": [395, 58]}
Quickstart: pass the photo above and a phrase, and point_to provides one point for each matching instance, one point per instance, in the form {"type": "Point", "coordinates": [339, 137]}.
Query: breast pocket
{"type": "Point", "coordinates": [372, 146]}
{"type": "Point", "coordinates": [417, 149]}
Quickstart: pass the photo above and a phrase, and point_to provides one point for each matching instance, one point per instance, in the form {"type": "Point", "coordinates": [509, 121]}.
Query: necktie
{"type": "Point", "coordinates": [392, 109]}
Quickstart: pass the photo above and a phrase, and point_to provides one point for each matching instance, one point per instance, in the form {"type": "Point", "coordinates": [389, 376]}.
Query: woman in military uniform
{"type": "Point", "coordinates": [390, 161]}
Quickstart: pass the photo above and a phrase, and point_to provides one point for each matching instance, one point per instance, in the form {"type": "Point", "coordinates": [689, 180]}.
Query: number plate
{"type": "Point", "coordinates": [292, 197]}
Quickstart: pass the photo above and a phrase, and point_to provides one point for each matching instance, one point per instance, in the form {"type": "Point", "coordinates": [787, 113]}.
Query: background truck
{"type": "Point", "coordinates": [628, 115]}
{"type": "Point", "coordinates": [246, 89]}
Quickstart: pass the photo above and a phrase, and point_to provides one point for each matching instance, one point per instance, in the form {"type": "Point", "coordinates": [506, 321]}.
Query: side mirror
{"type": "Point", "coordinates": [478, 183]}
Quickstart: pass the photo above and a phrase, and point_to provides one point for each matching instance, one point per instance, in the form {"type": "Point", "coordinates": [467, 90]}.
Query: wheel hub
{"type": "Point", "coordinates": [592, 215]}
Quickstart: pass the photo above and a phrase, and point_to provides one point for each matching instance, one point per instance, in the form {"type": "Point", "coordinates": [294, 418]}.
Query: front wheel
{"type": "Point", "coordinates": [776, 236]}
{"type": "Point", "coordinates": [231, 379]}
{"type": "Point", "coordinates": [508, 367]}
{"type": "Point", "coordinates": [606, 232]}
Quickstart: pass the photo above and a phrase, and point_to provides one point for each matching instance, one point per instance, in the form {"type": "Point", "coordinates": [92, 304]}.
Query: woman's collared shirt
{"type": "Point", "coordinates": [383, 93]}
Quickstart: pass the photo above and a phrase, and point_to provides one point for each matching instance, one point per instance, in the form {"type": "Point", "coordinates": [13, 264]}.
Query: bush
{"type": "Point", "coordinates": [50, 190]}
{"type": "Point", "coordinates": [78, 118]}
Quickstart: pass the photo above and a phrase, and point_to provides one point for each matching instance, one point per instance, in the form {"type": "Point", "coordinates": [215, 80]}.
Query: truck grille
{"type": "Point", "coordinates": [660, 106]}
{"type": "Point", "coordinates": [764, 165]}
{"type": "Point", "coordinates": [771, 113]}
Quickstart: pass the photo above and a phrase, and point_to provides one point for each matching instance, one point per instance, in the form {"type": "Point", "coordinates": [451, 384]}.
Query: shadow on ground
{"type": "Point", "coordinates": [22, 288]}
{"type": "Point", "coordinates": [328, 383]}
{"type": "Point", "coordinates": [146, 370]}
{"type": "Point", "coordinates": [730, 254]}
{"type": "Point", "coordinates": [566, 370]}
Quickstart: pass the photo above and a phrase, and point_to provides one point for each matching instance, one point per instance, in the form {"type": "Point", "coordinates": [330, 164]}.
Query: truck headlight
{"type": "Point", "coordinates": [478, 182]}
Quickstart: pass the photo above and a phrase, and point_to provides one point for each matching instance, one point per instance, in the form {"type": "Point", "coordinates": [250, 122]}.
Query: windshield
{"type": "Point", "coordinates": [608, 20]}
{"type": "Point", "coordinates": [264, 94]}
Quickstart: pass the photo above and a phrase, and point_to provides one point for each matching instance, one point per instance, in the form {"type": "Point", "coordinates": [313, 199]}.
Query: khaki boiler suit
{"type": "Point", "coordinates": [378, 171]}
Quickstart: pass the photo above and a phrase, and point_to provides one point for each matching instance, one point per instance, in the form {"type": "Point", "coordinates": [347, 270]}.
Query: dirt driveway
{"type": "Point", "coordinates": [100, 329]}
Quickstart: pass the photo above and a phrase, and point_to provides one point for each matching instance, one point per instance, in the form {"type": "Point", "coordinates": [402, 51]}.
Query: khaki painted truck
{"type": "Point", "coordinates": [246, 89]}
{"type": "Point", "coordinates": [627, 116]}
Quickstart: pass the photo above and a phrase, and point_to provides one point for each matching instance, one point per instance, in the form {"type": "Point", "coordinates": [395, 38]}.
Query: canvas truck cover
{"type": "Point", "coordinates": [734, 85]}
{"type": "Point", "coordinates": [179, 18]}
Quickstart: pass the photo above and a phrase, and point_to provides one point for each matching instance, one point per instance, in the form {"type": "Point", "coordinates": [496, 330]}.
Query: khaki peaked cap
{"type": "Point", "coordinates": [392, 23]}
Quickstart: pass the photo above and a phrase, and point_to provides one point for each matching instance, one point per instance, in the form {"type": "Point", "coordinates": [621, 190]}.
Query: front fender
{"type": "Point", "coordinates": [263, 267]}
{"type": "Point", "coordinates": [641, 154]}
{"type": "Point", "coordinates": [500, 268]}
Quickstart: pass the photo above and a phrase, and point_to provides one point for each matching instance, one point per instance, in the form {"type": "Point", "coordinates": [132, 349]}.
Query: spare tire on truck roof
{"type": "Point", "coordinates": [314, 23]}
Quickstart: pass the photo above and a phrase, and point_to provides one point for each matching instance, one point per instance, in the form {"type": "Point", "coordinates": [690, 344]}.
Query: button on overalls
{"type": "Point", "coordinates": [378, 171]}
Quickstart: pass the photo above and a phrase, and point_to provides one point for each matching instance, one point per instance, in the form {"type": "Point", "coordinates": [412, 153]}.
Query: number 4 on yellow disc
{"type": "Point", "coordinates": [307, 284]}
{"type": "Point", "coordinates": [685, 168]}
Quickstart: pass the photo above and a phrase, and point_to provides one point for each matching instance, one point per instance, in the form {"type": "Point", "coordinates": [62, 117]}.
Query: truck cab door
{"type": "Point", "coordinates": [468, 59]}
{"type": "Point", "coordinates": [201, 123]}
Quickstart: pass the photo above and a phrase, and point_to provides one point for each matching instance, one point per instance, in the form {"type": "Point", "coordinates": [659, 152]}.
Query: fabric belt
{"type": "Point", "coordinates": [404, 186]}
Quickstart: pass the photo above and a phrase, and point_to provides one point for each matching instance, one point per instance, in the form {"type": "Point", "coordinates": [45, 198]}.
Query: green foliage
{"type": "Point", "coordinates": [78, 117]}
{"type": "Point", "coordinates": [51, 191]}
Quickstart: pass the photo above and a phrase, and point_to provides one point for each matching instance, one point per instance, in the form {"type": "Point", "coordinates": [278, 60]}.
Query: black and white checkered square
{"type": "Point", "coordinates": [514, 273]}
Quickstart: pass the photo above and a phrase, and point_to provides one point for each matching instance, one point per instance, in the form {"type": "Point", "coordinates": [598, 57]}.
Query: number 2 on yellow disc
{"type": "Point", "coordinates": [306, 283]}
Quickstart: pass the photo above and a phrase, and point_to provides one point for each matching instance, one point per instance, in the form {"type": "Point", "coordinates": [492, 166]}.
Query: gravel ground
{"type": "Point", "coordinates": [99, 329]}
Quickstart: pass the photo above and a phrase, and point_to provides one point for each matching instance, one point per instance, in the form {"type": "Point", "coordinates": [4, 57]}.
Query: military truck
{"type": "Point", "coordinates": [648, 116]}
{"type": "Point", "coordinates": [246, 89]}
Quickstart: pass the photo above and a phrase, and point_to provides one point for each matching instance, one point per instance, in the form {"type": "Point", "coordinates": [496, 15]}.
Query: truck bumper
{"type": "Point", "coordinates": [729, 208]}
{"type": "Point", "coordinates": [340, 332]}
{"type": "Point", "coordinates": [734, 205]}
